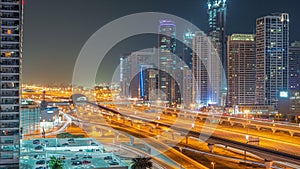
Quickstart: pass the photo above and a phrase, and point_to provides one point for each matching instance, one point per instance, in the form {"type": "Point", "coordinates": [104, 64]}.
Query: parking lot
{"type": "Point", "coordinates": [75, 153]}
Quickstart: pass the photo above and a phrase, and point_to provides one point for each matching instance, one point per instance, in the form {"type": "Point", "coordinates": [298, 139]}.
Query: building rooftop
{"type": "Point", "coordinates": [242, 37]}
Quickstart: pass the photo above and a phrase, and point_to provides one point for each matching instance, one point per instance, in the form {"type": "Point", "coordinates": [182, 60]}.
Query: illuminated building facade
{"type": "Point", "coordinates": [11, 12]}
{"type": "Point", "coordinates": [187, 57]}
{"type": "Point", "coordinates": [217, 10]}
{"type": "Point", "coordinates": [30, 117]}
{"type": "Point", "coordinates": [133, 67]}
{"type": "Point", "coordinates": [294, 64]}
{"type": "Point", "coordinates": [206, 72]}
{"type": "Point", "coordinates": [272, 57]}
{"type": "Point", "coordinates": [241, 69]}
{"type": "Point", "coordinates": [167, 64]}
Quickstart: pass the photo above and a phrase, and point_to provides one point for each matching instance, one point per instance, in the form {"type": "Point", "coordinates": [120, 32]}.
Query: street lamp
{"type": "Point", "coordinates": [213, 165]}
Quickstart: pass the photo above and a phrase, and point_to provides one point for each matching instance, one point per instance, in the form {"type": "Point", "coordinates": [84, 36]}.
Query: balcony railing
{"type": "Point", "coordinates": [10, 62]}
{"type": "Point", "coordinates": [9, 110]}
{"type": "Point", "coordinates": [10, 1]}
{"type": "Point", "coordinates": [10, 39]}
{"type": "Point", "coordinates": [10, 8]}
{"type": "Point", "coordinates": [9, 71]}
{"type": "Point", "coordinates": [10, 79]}
{"type": "Point", "coordinates": [14, 24]}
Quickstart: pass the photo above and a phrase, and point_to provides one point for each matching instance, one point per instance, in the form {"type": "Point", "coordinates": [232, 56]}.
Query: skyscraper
{"type": "Point", "coordinates": [272, 47]}
{"type": "Point", "coordinates": [217, 10]}
{"type": "Point", "coordinates": [241, 69]}
{"type": "Point", "coordinates": [206, 72]}
{"type": "Point", "coordinates": [167, 64]}
{"type": "Point", "coordinates": [294, 64]}
{"type": "Point", "coordinates": [187, 57]}
{"type": "Point", "coordinates": [132, 70]}
{"type": "Point", "coordinates": [11, 59]}
{"type": "Point", "coordinates": [187, 53]}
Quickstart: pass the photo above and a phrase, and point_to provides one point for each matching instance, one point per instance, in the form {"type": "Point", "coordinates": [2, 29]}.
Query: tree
{"type": "Point", "coordinates": [141, 163]}
{"type": "Point", "coordinates": [56, 163]}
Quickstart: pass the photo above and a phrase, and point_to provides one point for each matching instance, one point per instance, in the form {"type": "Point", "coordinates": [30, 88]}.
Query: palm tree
{"type": "Point", "coordinates": [141, 163]}
{"type": "Point", "coordinates": [56, 163]}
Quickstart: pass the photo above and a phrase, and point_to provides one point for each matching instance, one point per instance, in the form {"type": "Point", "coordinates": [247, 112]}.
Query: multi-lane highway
{"type": "Point", "coordinates": [228, 138]}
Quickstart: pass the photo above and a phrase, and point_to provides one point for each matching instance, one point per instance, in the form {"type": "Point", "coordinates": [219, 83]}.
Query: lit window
{"type": "Point", "coordinates": [9, 31]}
{"type": "Point", "coordinates": [8, 54]}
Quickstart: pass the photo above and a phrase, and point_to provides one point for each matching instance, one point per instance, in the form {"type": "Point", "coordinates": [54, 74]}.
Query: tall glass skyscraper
{"type": "Point", "coordinates": [294, 64]}
{"type": "Point", "coordinates": [241, 69]}
{"type": "Point", "coordinates": [206, 72]}
{"type": "Point", "coordinates": [168, 66]}
{"type": "Point", "coordinates": [217, 10]}
{"type": "Point", "coordinates": [11, 56]}
{"type": "Point", "coordinates": [272, 57]}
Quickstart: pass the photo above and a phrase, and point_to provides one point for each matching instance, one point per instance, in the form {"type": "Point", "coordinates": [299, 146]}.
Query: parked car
{"type": "Point", "coordinates": [113, 162]}
{"type": "Point", "coordinates": [65, 144]}
{"type": "Point", "coordinates": [94, 144]}
{"type": "Point", "coordinates": [86, 162]}
{"type": "Point", "coordinates": [108, 158]}
{"type": "Point", "coordinates": [40, 162]}
{"type": "Point", "coordinates": [41, 167]}
{"type": "Point", "coordinates": [39, 147]}
{"type": "Point", "coordinates": [71, 140]}
{"type": "Point", "coordinates": [77, 162]}
{"type": "Point", "coordinates": [36, 141]}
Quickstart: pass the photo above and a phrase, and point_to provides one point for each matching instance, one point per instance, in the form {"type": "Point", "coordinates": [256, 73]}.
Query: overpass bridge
{"type": "Point", "coordinates": [267, 154]}
{"type": "Point", "coordinates": [234, 121]}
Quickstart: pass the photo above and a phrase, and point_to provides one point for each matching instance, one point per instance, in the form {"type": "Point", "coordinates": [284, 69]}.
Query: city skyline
{"type": "Point", "coordinates": [57, 48]}
{"type": "Point", "coordinates": [196, 84]}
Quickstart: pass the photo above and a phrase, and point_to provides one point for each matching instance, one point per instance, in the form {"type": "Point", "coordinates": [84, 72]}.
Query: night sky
{"type": "Point", "coordinates": [56, 30]}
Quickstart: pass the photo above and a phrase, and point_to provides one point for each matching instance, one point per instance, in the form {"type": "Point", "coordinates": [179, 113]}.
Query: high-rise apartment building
{"type": "Point", "coordinates": [206, 72]}
{"type": "Point", "coordinates": [217, 11]}
{"type": "Point", "coordinates": [294, 64]}
{"type": "Point", "coordinates": [186, 68]}
{"type": "Point", "coordinates": [187, 53]}
{"type": "Point", "coordinates": [272, 57]}
{"type": "Point", "coordinates": [241, 69]}
{"type": "Point", "coordinates": [135, 71]}
{"type": "Point", "coordinates": [11, 58]}
{"type": "Point", "coordinates": [167, 63]}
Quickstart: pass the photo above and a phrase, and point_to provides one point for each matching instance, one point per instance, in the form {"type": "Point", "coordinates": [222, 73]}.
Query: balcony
{"type": "Point", "coordinates": [9, 133]}
{"type": "Point", "coordinates": [10, 39]}
{"type": "Point", "coordinates": [10, 70]}
{"type": "Point", "coordinates": [10, 55]}
{"type": "Point", "coordinates": [10, 78]}
{"type": "Point", "coordinates": [9, 93]}
{"type": "Point", "coordinates": [10, 46]}
{"type": "Point", "coordinates": [5, 126]}
{"type": "Point", "coordinates": [6, 8]}
{"type": "Point", "coordinates": [10, 118]}
{"type": "Point", "coordinates": [10, 32]}
{"type": "Point", "coordinates": [10, 16]}
{"type": "Point", "coordinates": [10, 63]}
{"type": "Point", "coordinates": [7, 110]}
{"type": "Point", "coordinates": [10, 2]}
{"type": "Point", "coordinates": [7, 23]}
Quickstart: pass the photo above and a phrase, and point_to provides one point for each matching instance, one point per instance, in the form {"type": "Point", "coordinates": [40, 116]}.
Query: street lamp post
{"type": "Point", "coordinates": [247, 136]}
{"type": "Point", "coordinates": [213, 165]}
